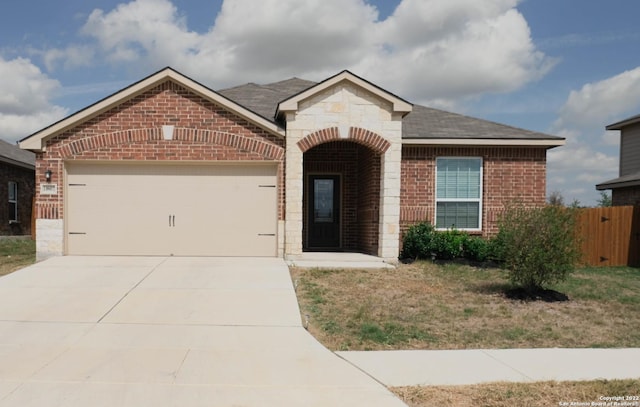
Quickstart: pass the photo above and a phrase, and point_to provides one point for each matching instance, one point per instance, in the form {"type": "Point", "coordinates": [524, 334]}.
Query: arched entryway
{"type": "Point", "coordinates": [341, 197]}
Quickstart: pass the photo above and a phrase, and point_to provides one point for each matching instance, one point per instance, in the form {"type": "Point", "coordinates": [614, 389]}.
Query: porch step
{"type": "Point", "coordinates": [327, 260]}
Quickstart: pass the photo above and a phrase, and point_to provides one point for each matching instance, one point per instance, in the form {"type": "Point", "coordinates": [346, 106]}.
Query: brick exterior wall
{"type": "Point", "coordinates": [359, 168]}
{"type": "Point", "coordinates": [133, 131]}
{"type": "Point", "coordinates": [509, 174]}
{"type": "Point", "coordinates": [368, 200]}
{"type": "Point", "coordinates": [26, 186]}
{"type": "Point", "coordinates": [625, 196]}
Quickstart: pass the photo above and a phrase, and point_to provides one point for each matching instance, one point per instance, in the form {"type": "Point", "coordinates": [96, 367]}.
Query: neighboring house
{"type": "Point", "coordinates": [625, 190]}
{"type": "Point", "coordinates": [168, 166]}
{"type": "Point", "coordinates": [17, 180]}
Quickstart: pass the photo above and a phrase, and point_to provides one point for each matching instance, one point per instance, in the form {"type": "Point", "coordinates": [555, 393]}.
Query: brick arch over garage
{"type": "Point", "coordinates": [255, 145]}
{"type": "Point", "coordinates": [361, 136]}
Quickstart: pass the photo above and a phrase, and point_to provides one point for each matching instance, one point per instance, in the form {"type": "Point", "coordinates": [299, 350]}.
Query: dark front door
{"type": "Point", "coordinates": [324, 212]}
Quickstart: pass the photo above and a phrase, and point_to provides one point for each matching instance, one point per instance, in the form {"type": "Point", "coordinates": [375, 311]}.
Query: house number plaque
{"type": "Point", "coordinates": [48, 189]}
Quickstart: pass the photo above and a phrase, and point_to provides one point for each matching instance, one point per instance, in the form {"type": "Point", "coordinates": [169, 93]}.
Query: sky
{"type": "Point", "coordinates": [562, 67]}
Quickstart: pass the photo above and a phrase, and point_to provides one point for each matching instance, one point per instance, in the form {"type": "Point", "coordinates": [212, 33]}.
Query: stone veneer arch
{"type": "Point", "coordinates": [356, 134]}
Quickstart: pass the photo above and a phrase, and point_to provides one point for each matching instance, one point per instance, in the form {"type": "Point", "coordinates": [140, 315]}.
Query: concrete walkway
{"type": "Point", "coordinates": [337, 260]}
{"type": "Point", "coordinates": [460, 367]}
{"type": "Point", "coordinates": [135, 331]}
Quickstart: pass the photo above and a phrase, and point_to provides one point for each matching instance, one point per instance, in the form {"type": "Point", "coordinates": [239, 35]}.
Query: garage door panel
{"type": "Point", "coordinates": [172, 209]}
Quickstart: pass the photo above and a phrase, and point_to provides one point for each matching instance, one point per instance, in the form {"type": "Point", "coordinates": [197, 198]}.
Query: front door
{"type": "Point", "coordinates": [324, 212]}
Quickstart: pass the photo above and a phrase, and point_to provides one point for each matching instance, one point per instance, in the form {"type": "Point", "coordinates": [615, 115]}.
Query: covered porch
{"type": "Point", "coordinates": [341, 198]}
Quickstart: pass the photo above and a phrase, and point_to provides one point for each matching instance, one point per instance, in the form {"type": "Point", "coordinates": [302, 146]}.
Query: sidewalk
{"type": "Point", "coordinates": [462, 367]}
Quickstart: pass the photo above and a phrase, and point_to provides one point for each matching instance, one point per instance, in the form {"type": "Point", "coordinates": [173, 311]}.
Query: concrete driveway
{"type": "Point", "coordinates": [150, 331]}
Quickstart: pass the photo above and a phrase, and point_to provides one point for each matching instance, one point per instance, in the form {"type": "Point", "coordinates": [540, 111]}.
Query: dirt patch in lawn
{"type": "Point", "coordinates": [429, 306]}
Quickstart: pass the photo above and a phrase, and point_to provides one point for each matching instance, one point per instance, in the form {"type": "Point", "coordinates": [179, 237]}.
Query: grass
{"type": "Point", "coordinates": [429, 306]}
{"type": "Point", "coordinates": [16, 254]}
{"type": "Point", "coordinates": [519, 394]}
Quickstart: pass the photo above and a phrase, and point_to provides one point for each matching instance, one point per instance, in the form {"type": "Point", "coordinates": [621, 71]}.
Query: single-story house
{"type": "Point", "coordinates": [17, 183]}
{"type": "Point", "coordinates": [625, 190]}
{"type": "Point", "coordinates": [168, 166]}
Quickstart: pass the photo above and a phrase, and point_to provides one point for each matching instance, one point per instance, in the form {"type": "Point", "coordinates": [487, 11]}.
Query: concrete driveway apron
{"type": "Point", "coordinates": [151, 331]}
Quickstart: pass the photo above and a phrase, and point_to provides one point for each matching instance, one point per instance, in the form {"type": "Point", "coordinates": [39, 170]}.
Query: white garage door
{"type": "Point", "coordinates": [165, 209]}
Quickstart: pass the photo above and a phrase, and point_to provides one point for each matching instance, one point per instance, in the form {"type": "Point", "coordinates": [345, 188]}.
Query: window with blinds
{"type": "Point", "coordinates": [13, 201]}
{"type": "Point", "coordinates": [459, 193]}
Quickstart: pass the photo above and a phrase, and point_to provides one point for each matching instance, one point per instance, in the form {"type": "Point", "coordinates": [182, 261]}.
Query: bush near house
{"type": "Point", "coordinates": [423, 241]}
{"type": "Point", "coordinates": [539, 245]}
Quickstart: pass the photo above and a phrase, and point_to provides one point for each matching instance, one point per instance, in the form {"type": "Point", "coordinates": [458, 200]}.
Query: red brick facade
{"type": "Point", "coordinates": [509, 174]}
{"type": "Point", "coordinates": [207, 131]}
{"type": "Point", "coordinates": [204, 131]}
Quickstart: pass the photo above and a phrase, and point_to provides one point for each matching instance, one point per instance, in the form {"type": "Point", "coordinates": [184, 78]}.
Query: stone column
{"type": "Point", "coordinates": [389, 224]}
{"type": "Point", "coordinates": [293, 192]}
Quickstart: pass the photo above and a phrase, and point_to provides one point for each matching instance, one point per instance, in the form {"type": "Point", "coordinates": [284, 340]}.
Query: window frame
{"type": "Point", "coordinates": [12, 188]}
{"type": "Point", "coordinates": [474, 200]}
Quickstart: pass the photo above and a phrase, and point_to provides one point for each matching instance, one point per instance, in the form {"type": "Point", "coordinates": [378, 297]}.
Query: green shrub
{"type": "Point", "coordinates": [448, 244]}
{"type": "Point", "coordinates": [496, 248]}
{"type": "Point", "coordinates": [477, 249]}
{"type": "Point", "coordinates": [539, 244]}
{"type": "Point", "coordinates": [418, 241]}
{"type": "Point", "coordinates": [423, 241]}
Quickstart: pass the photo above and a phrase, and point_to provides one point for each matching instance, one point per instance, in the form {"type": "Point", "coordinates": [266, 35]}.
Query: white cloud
{"type": "Point", "coordinates": [444, 49]}
{"type": "Point", "coordinates": [70, 57]}
{"type": "Point", "coordinates": [610, 138]}
{"type": "Point", "coordinates": [146, 30]}
{"type": "Point", "coordinates": [591, 155]}
{"type": "Point", "coordinates": [599, 103]}
{"type": "Point", "coordinates": [25, 99]}
{"type": "Point", "coordinates": [428, 50]}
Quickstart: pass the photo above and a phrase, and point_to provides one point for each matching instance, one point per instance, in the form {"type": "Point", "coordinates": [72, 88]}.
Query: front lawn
{"type": "Point", "coordinates": [451, 306]}
{"type": "Point", "coordinates": [16, 254]}
{"type": "Point", "coordinates": [541, 394]}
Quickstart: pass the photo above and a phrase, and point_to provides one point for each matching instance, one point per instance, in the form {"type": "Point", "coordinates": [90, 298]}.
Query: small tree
{"type": "Point", "coordinates": [605, 199]}
{"type": "Point", "coordinates": [539, 245]}
{"type": "Point", "coordinates": [555, 198]}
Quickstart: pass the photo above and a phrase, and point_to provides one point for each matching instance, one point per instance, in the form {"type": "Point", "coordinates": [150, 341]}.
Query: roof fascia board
{"type": "Point", "coordinates": [291, 104]}
{"type": "Point", "coordinates": [616, 185]}
{"type": "Point", "coordinates": [623, 123]}
{"type": "Point", "coordinates": [16, 163]}
{"type": "Point", "coordinates": [37, 140]}
{"type": "Point", "coordinates": [485, 142]}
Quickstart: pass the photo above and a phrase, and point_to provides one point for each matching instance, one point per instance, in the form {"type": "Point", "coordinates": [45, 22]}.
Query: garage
{"type": "Point", "coordinates": [171, 209]}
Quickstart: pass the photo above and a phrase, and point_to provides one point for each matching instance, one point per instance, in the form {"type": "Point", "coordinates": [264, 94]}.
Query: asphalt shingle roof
{"type": "Point", "coordinates": [422, 123]}
{"type": "Point", "coordinates": [628, 180]}
{"type": "Point", "coordinates": [425, 122]}
{"type": "Point", "coordinates": [264, 99]}
{"type": "Point", "coordinates": [12, 154]}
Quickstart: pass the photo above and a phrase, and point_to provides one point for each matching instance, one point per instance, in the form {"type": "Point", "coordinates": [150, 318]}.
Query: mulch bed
{"type": "Point", "coordinates": [539, 294]}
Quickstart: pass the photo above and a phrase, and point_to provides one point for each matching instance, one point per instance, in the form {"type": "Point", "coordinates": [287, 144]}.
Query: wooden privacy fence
{"type": "Point", "coordinates": [610, 236]}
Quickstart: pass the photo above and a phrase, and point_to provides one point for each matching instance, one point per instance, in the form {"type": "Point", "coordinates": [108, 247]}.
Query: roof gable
{"type": "Point", "coordinates": [291, 104]}
{"type": "Point", "coordinates": [37, 140]}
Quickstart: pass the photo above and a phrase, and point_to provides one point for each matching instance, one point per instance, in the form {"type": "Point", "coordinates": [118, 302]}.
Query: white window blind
{"type": "Point", "coordinates": [459, 193]}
